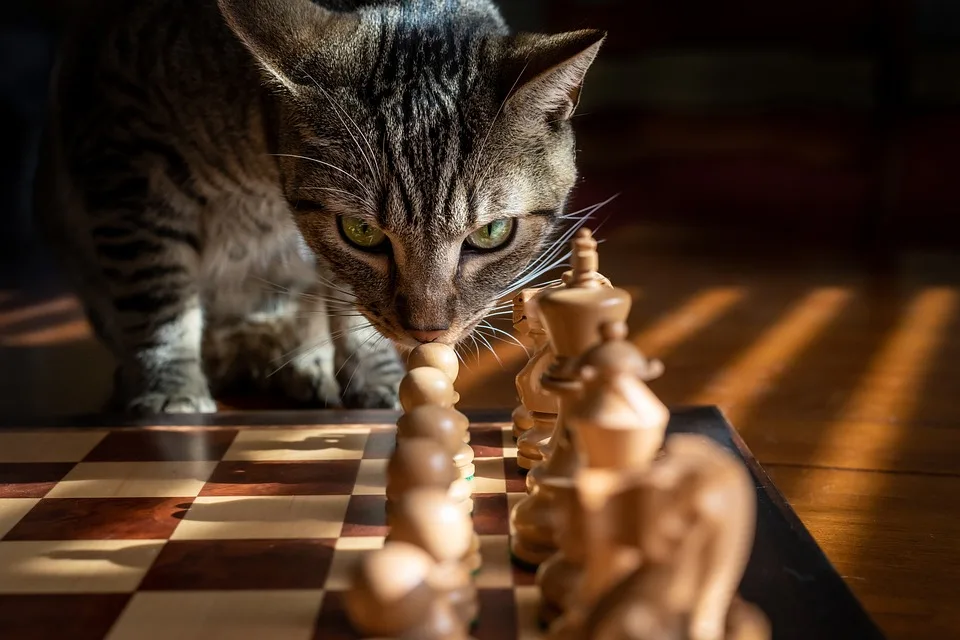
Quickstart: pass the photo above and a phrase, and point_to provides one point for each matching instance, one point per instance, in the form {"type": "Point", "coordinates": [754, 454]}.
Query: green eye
{"type": "Point", "coordinates": [361, 233]}
{"type": "Point", "coordinates": [492, 236]}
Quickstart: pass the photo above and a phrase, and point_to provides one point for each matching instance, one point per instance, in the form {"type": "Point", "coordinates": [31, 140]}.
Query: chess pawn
{"type": "Point", "coordinates": [442, 425]}
{"type": "Point", "coordinates": [429, 385]}
{"type": "Point", "coordinates": [428, 519]}
{"type": "Point", "coordinates": [438, 356]}
{"type": "Point", "coordinates": [419, 463]}
{"type": "Point", "coordinates": [522, 421]}
{"type": "Point", "coordinates": [390, 597]}
{"type": "Point", "coordinates": [619, 423]}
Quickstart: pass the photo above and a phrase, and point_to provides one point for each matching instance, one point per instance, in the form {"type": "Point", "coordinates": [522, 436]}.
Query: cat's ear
{"type": "Point", "coordinates": [283, 34]}
{"type": "Point", "coordinates": [546, 72]}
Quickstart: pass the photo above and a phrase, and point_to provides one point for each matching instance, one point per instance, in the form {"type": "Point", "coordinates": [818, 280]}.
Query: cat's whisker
{"type": "Point", "coordinates": [305, 350]}
{"type": "Point", "coordinates": [486, 137]}
{"type": "Point", "coordinates": [352, 375]}
{"type": "Point", "coordinates": [365, 188]}
{"type": "Point", "coordinates": [356, 350]}
{"type": "Point", "coordinates": [483, 338]}
{"type": "Point", "coordinates": [340, 111]}
{"type": "Point", "coordinates": [511, 338]}
{"type": "Point", "coordinates": [342, 192]}
{"type": "Point", "coordinates": [558, 245]}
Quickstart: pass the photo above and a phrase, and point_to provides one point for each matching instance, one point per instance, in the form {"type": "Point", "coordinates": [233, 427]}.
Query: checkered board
{"type": "Point", "coordinates": [244, 526]}
{"type": "Point", "coordinates": [220, 532]}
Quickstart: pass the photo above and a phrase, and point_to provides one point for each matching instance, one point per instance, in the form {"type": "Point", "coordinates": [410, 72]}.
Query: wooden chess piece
{"type": "Point", "coordinates": [438, 356]}
{"type": "Point", "coordinates": [441, 425]}
{"type": "Point", "coordinates": [419, 463]}
{"type": "Point", "coordinates": [390, 597]}
{"type": "Point", "coordinates": [694, 525]}
{"type": "Point", "coordinates": [430, 385]}
{"type": "Point", "coordinates": [617, 421]}
{"type": "Point", "coordinates": [525, 323]}
{"type": "Point", "coordinates": [572, 316]}
{"type": "Point", "coordinates": [428, 519]}
{"type": "Point", "coordinates": [541, 405]}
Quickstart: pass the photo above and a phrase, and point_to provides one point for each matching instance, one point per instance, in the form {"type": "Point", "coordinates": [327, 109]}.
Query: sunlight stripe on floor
{"type": "Point", "coordinates": [696, 314]}
{"type": "Point", "coordinates": [739, 386]}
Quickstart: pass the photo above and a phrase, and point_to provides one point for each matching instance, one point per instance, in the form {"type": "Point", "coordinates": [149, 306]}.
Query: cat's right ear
{"type": "Point", "coordinates": [286, 35]}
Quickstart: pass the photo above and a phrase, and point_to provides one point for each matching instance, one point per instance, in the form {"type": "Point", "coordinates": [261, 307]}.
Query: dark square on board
{"type": "Point", "coordinates": [162, 445]}
{"type": "Point", "coordinates": [101, 519]}
{"type": "Point", "coordinates": [240, 565]}
{"type": "Point", "coordinates": [31, 479]}
{"type": "Point", "coordinates": [82, 616]}
{"type": "Point", "coordinates": [268, 478]}
{"type": "Point", "coordinates": [366, 517]}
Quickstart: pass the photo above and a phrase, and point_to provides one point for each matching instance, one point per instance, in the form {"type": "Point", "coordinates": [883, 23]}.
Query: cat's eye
{"type": "Point", "coordinates": [361, 233]}
{"type": "Point", "coordinates": [493, 235]}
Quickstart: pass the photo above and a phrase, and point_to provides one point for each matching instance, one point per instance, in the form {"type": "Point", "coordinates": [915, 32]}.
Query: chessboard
{"type": "Point", "coordinates": [245, 525]}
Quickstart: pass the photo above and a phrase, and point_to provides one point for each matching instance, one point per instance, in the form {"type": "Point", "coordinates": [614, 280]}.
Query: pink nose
{"type": "Point", "coordinates": [427, 336]}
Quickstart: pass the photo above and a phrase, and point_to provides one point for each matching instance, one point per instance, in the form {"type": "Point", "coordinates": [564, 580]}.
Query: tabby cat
{"type": "Point", "coordinates": [291, 193]}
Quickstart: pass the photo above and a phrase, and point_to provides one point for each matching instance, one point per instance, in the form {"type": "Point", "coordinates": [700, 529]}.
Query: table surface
{"type": "Point", "coordinates": [108, 525]}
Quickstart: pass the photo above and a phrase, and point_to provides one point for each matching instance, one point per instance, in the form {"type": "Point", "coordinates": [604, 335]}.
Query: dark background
{"type": "Point", "coordinates": [824, 121]}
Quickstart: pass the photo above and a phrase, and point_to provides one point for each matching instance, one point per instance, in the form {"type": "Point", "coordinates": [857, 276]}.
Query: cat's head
{"type": "Point", "coordinates": [427, 153]}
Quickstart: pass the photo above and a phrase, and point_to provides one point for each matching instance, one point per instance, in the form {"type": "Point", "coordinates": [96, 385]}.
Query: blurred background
{"type": "Point", "coordinates": [788, 181]}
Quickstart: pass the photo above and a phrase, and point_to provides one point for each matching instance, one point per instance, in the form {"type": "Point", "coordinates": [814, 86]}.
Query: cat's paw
{"type": "Point", "coordinates": [310, 385]}
{"type": "Point", "coordinates": [174, 402]}
{"type": "Point", "coordinates": [378, 396]}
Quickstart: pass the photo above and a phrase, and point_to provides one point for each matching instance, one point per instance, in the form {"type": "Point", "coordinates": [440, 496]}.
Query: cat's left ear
{"type": "Point", "coordinates": [284, 34]}
{"type": "Point", "coordinates": [547, 72]}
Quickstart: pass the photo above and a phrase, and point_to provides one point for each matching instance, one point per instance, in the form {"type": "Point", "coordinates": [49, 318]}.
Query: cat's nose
{"type": "Point", "coordinates": [427, 336]}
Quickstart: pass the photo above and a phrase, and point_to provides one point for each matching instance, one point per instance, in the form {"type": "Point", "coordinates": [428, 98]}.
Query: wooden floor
{"type": "Point", "coordinates": [840, 374]}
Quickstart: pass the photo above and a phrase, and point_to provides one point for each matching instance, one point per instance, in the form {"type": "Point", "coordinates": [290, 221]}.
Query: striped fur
{"type": "Point", "coordinates": [198, 154]}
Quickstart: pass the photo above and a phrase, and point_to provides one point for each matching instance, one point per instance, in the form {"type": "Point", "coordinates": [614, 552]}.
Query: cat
{"type": "Point", "coordinates": [293, 194]}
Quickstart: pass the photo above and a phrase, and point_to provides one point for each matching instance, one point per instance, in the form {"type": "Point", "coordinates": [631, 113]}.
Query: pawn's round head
{"type": "Point", "coordinates": [437, 355]}
{"type": "Point", "coordinates": [426, 385]}
{"type": "Point", "coordinates": [389, 591]}
{"type": "Point", "coordinates": [429, 519]}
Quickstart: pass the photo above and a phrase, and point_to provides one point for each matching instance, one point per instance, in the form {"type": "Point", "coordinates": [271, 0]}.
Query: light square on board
{"type": "Point", "coordinates": [12, 510]}
{"type": "Point", "coordinates": [259, 517]}
{"type": "Point", "coordinates": [489, 476]}
{"type": "Point", "coordinates": [371, 478]}
{"type": "Point", "coordinates": [47, 446]}
{"type": "Point", "coordinates": [322, 443]}
{"type": "Point", "coordinates": [347, 553]}
{"type": "Point", "coordinates": [497, 570]}
{"type": "Point", "coordinates": [219, 615]}
{"type": "Point", "coordinates": [75, 566]}
{"type": "Point", "coordinates": [134, 480]}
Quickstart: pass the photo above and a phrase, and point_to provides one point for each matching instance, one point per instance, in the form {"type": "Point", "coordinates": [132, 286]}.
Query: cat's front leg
{"type": "Point", "coordinates": [160, 361]}
{"type": "Point", "coordinates": [368, 367]}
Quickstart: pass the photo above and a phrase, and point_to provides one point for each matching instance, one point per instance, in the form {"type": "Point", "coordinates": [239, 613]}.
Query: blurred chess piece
{"type": "Point", "coordinates": [693, 523]}
{"type": "Point", "coordinates": [525, 322]}
{"type": "Point", "coordinates": [422, 463]}
{"type": "Point", "coordinates": [428, 519]}
{"type": "Point", "coordinates": [445, 426]}
{"type": "Point", "coordinates": [390, 596]}
{"type": "Point", "coordinates": [426, 385]}
{"type": "Point", "coordinates": [572, 316]}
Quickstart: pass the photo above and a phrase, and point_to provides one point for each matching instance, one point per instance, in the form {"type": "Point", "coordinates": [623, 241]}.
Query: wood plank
{"type": "Point", "coordinates": [893, 537]}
